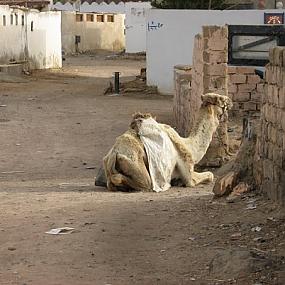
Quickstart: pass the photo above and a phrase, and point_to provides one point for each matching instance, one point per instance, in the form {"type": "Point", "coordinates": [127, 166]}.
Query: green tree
{"type": "Point", "coordinates": [189, 4]}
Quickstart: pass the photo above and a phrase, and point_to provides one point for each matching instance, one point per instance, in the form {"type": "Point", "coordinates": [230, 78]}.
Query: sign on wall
{"type": "Point", "coordinates": [274, 18]}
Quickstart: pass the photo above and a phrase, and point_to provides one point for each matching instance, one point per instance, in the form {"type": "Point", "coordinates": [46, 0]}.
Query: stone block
{"type": "Point", "coordinates": [215, 57]}
{"type": "Point", "coordinates": [232, 69]}
{"type": "Point", "coordinates": [225, 184]}
{"type": "Point", "coordinates": [232, 88]}
{"type": "Point", "coordinates": [278, 56]}
{"type": "Point", "coordinates": [276, 174]}
{"type": "Point", "coordinates": [242, 97]}
{"type": "Point", "coordinates": [279, 142]}
{"type": "Point", "coordinates": [245, 70]}
{"type": "Point", "coordinates": [253, 79]}
{"type": "Point", "coordinates": [215, 31]}
{"type": "Point", "coordinates": [281, 97]}
{"type": "Point", "coordinates": [249, 106]}
{"type": "Point", "coordinates": [283, 120]}
{"type": "Point", "coordinates": [236, 106]}
{"type": "Point", "coordinates": [268, 171]}
{"type": "Point", "coordinates": [270, 150]}
{"type": "Point", "coordinates": [237, 78]}
{"type": "Point", "coordinates": [271, 55]}
{"type": "Point", "coordinates": [255, 96]}
{"type": "Point", "coordinates": [276, 96]}
{"type": "Point", "coordinates": [215, 69]}
{"type": "Point", "coordinates": [260, 87]}
{"type": "Point", "coordinates": [270, 93]}
{"type": "Point", "coordinates": [246, 87]}
{"type": "Point", "coordinates": [215, 82]}
{"type": "Point", "coordinates": [215, 45]}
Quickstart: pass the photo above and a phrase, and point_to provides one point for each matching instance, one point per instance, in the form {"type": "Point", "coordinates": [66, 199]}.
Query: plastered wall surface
{"type": "Point", "coordinates": [93, 35]}
{"type": "Point", "coordinates": [30, 36]}
{"type": "Point", "coordinates": [136, 26]}
{"type": "Point", "coordinates": [170, 38]}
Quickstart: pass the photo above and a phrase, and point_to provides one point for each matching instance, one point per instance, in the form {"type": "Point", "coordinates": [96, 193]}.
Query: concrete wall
{"type": "Point", "coordinates": [170, 38]}
{"type": "Point", "coordinates": [270, 149]}
{"type": "Point", "coordinates": [136, 26]}
{"type": "Point", "coordinates": [93, 35]}
{"type": "Point", "coordinates": [40, 47]}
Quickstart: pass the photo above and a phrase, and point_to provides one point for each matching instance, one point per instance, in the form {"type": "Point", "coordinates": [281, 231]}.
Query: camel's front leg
{"type": "Point", "coordinates": [203, 177]}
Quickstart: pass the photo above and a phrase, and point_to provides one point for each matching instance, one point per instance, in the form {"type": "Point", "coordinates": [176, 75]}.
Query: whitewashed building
{"type": "Point", "coordinates": [134, 11]}
{"type": "Point", "coordinates": [30, 37]}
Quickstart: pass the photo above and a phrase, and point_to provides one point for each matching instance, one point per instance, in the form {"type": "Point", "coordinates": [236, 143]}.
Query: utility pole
{"type": "Point", "coordinates": [210, 4]}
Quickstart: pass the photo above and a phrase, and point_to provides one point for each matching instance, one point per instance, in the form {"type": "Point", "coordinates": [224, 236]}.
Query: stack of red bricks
{"type": "Point", "coordinates": [271, 140]}
{"type": "Point", "coordinates": [245, 89]}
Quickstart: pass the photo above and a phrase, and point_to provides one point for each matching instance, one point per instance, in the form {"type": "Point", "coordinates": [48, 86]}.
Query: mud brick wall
{"type": "Point", "coordinates": [270, 169]}
{"type": "Point", "coordinates": [245, 88]}
{"type": "Point", "coordinates": [208, 74]}
{"type": "Point", "coordinates": [181, 107]}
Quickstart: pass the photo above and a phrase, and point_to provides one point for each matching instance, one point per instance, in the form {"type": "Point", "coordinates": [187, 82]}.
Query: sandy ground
{"type": "Point", "coordinates": [54, 130]}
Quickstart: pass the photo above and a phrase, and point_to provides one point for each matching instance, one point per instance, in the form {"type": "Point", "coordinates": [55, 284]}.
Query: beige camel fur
{"type": "Point", "coordinates": [126, 164]}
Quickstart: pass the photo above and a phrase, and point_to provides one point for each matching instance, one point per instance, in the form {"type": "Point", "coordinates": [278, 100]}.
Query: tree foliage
{"type": "Point", "coordinates": [189, 4]}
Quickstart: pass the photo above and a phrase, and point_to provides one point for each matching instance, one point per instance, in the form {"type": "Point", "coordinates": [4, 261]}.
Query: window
{"type": "Point", "coordinates": [4, 20]}
{"type": "Point", "coordinates": [100, 18]}
{"type": "Point", "coordinates": [11, 19]}
{"type": "Point", "coordinates": [79, 17]}
{"type": "Point", "coordinates": [16, 19]}
{"type": "Point", "coordinates": [90, 18]}
{"type": "Point", "coordinates": [32, 26]}
{"type": "Point", "coordinates": [110, 18]}
{"type": "Point", "coordinates": [23, 20]}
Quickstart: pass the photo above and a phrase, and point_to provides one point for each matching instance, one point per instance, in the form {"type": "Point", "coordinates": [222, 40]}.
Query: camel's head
{"type": "Point", "coordinates": [137, 120]}
{"type": "Point", "coordinates": [224, 103]}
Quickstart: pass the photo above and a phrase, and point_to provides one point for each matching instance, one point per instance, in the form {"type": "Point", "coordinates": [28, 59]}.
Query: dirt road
{"type": "Point", "coordinates": [54, 130]}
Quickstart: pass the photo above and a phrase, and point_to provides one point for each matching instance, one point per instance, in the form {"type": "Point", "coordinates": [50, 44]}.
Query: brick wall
{"type": "Point", "coordinates": [270, 166]}
{"type": "Point", "coordinates": [181, 107]}
{"type": "Point", "coordinates": [208, 74]}
{"type": "Point", "coordinates": [245, 88]}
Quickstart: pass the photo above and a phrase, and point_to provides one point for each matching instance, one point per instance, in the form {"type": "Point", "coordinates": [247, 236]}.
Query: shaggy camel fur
{"type": "Point", "coordinates": [126, 164]}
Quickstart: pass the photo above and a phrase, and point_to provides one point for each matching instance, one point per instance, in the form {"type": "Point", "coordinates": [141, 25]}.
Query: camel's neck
{"type": "Point", "coordinates": [201, 135]}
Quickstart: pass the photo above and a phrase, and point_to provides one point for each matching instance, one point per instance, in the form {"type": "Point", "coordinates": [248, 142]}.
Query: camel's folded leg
{"type": "Point", "coordinates": [135, 175]}
{"type": "Point", "coordinates": [203, 177]}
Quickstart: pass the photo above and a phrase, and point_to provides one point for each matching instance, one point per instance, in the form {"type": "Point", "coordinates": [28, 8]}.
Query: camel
{"type": "Point", "coordinates": [127, 166]}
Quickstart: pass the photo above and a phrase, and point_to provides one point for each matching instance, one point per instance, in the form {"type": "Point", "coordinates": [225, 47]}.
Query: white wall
{"type": "Point", "coordinates": [40, 47]}
{"type": "Point", "coordinates": [44, 42]}
{"type": "Point", "coordinates": [12, 37]}
{"type": "Point", "coordinates": [136, 26]}
{"type": "Point", "coordinates": [170, 38]}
